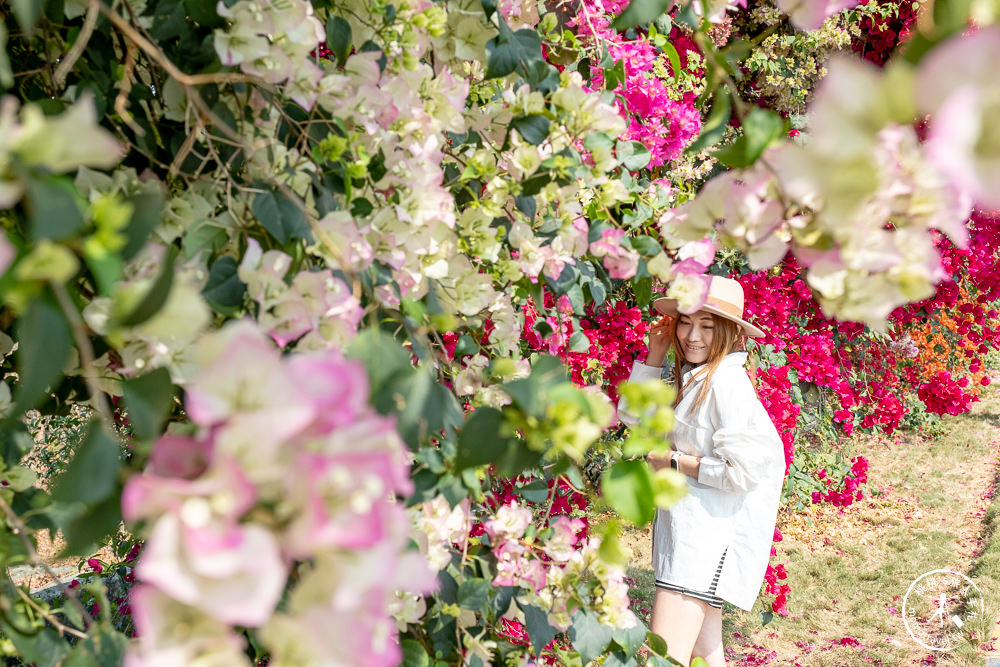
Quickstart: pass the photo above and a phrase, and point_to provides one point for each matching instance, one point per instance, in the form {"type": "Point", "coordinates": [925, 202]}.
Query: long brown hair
{"type": "Point", "coordinates": [725, 339]}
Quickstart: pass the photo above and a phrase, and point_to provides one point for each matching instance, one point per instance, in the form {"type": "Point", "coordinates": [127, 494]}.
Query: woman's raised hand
{"type": "Point", "coordinates": [661, 336]}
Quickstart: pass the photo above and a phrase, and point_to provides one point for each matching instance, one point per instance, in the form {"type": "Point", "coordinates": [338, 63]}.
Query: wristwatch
{"type": "Point", "coordinates": [675, 460]}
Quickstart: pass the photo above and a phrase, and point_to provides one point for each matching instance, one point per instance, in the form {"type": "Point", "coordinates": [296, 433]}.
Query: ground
{"type": "Point", "coordinates": [929, 505]}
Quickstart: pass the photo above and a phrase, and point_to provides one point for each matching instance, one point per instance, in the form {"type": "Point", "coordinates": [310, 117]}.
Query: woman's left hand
{"type": "Point", "coordinates": [659, 461]}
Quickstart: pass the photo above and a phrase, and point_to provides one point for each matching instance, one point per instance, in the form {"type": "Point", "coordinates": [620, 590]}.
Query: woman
{"type": "Point", "coordinates": [714, 544]}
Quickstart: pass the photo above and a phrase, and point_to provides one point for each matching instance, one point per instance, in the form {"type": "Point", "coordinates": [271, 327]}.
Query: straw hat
{"type": "Point", "coordinates": [725, 299]}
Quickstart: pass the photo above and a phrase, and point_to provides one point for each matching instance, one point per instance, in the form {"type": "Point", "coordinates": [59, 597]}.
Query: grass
{"type": "Point", "coordinates": [929, 505]}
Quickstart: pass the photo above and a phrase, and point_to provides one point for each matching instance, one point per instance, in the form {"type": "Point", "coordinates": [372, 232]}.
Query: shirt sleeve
{"type": "Point", "coordinates": [744, 443]}
{"type": "Point", "coordinates": [640, 373]}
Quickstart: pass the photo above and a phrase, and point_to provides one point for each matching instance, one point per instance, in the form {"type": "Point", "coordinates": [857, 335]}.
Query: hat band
{"type": "Point", "coordinates": [726, 307]}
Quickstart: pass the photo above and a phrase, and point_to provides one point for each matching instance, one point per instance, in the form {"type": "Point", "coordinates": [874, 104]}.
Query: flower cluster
{"type": "Point", "coordinates": [944, 395]}
{"type": "Point", "coordinates": [661, 118]}
{"type": "Point", "coordinates": [849, 489]}
{"type": "Point", "coordinates": [317, 310]}
{"type": "Point", "coordinates": [773, 575]}
{"type": "Point", "coordinates": [289, 470]}
{"type": "Point", "coordinates": [274, 41]}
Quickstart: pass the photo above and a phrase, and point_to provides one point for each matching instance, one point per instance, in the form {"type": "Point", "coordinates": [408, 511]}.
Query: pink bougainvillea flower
{"type": "Point", "coordinates": [810, 14]}
{"type": "Point", "coordinates": [336, 387]}
{"type": "Point", "coordinates": [342, 501]}
{"type": "Point", "coordinates": [233, 573]}
{"type": "Point", "coordinates": [225, 487]}
{"type": "Point", "coordinates": [245, 381]}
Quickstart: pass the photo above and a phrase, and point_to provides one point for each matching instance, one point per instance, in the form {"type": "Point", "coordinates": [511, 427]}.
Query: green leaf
{"type": "Point", "coordinates": [760, 128]}
{"type": "Point", "coordinates": [614, 75]}
{"type": "Point", "coordinates": [204, 235]}
{"type": "Point", "coordinates": [157, 294]}
{"type": "Point", "coordinates": [630, 639]}
{"type": "Point", "coordinates": [147, 209]}
{"type": "Point", "coordinates": [414, 654]}
{"type": "Point", "coordinates": [529, 393]}
{"type": "Point", "coordinates": [714, 127]}
{"type": "Point", "coordinates": [338, 38]}
{"type": "Point", "coordinates": [640, 12]}
{"type": "Point", "coordinates": [578, 342]}
{"type": "Point", "coordinates": [656, 643]}
{"type": "Point", "coordinates": [45, 649]}
{"type": "Point", "coordinates": [224, 290]}
{"type": "Point", "coordinates": [537, 624]}
{"type": "Point", "coordinates": [646, 245]}
{"type": "Point", "coordinates": [628, 488]}
{"type": "Point", "coordinates": [382, 356]}
{"type": "Point", "coordinates": [766, 617]}
{"type": "Point", "coordinates": [473, 593]}
{"type": "Point", "coordinates": [282, 218]}
{"type": "Point", "coordinates": [203, 12]}
{"type": "Point", "coordinates": [86, 528]}
{"type": "Point", "coordinates": [533, 128]}
{"type": "Point", "coordinates": [148, 399]}
{"type": "Point", "coordinates": [102, 648]}
{"type": "Point", "coordinates": [589, 637]}
{"type": "Point", "coordinates": [570, 274]}
{"type": "Point", "coordinates": [508, 50]}
{"type": "Point", "coordinates": [575, 296]}
{"type": "Point", "coordinates": [673, 56]}
{"type": "Point", "coordinates": [535, 491]}
{"type": "Point", "coordinates": [598, 140]}
{"type": "Point", "coordinates": [91, 475]}
{"type": "Point", "coordinates": [466, 344]}
{"type": "Point", "coordinates": [481, 440]}
{"type": "Point", "coordinates": [44, 344]}
{"type": "Point", "coordinates": [619, 660]}
{"type": "Point", "coordinates": [27, 13]}
{"type": "Point", "coordinates": [422, 405]}
{"type": "Point", "coordinates": [15, 442]}
{"type": "Point", "coordinates": [106, 267]}
{"type": "Point", "coordinates": [643, 291]}
{"type": "Point", "coordinates": [52, 209]}
{"type": "Point", "coordinates": [502, 58]}
{"type": "Point", "coordinates": [632, 154]}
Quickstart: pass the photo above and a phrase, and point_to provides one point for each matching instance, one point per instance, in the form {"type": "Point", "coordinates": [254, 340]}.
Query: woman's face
{"type": "Point", "coordinates": [694, 333]}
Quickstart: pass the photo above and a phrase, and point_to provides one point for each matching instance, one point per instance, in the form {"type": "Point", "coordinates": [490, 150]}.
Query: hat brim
{"type": "Point", "coordinates": [668, 306]}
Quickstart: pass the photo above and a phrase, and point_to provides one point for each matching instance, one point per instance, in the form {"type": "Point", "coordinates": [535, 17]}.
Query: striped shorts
{"type": "Point", "coordinates": [708, 596]}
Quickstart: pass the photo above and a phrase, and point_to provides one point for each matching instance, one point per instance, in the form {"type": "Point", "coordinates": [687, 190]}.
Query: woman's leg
{"type": "Point", "coordinates": [709, 643]}
{"type": "Point", "coordinates": [678, 619]}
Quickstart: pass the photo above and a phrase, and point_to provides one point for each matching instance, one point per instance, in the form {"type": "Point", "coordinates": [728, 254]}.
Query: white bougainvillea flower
{"type": "Point", "coordinates": [690, 290]}
{"type": "Point", "coordinates": [59, 143]}
{"type": "Point", "coordinates": [957, 83]}
{"type": "Point", "coordinates": [437, 526]}
{"type": "Point", "coordinates": [509, 523]}
{"type": "Point", "coordinates": [170, 633]}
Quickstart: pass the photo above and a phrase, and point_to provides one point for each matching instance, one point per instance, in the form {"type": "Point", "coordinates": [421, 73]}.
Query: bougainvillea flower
{"type": "Point", "coordinates": [957, 84]}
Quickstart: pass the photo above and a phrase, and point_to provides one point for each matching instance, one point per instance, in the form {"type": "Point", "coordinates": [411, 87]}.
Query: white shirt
{"type": "Point", "coordinates": [734, 501]}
